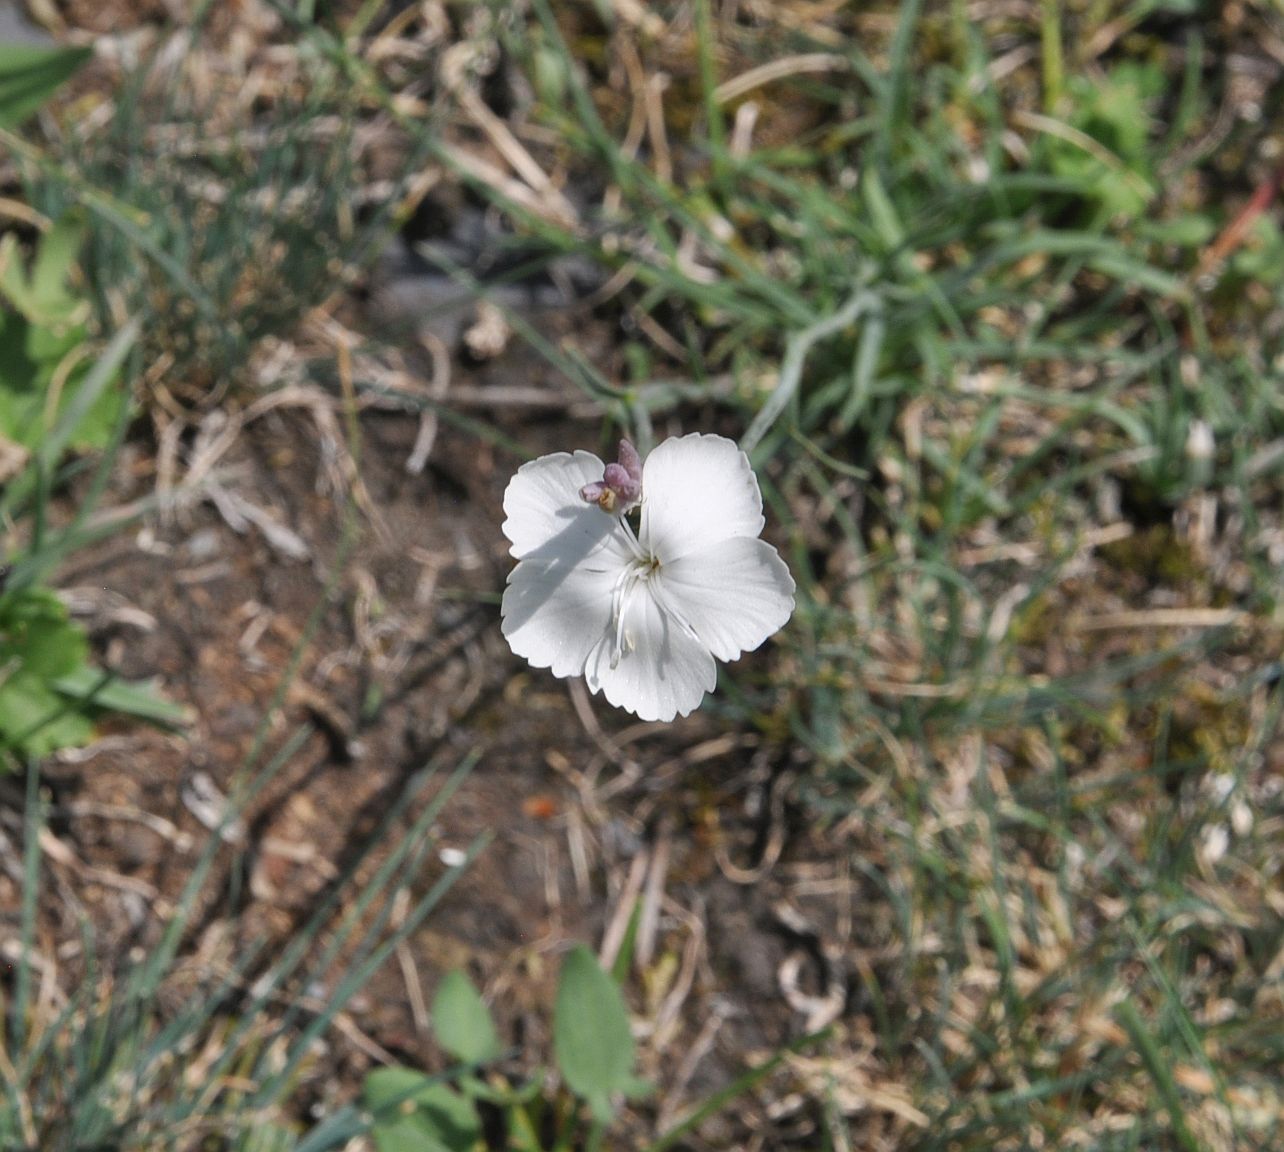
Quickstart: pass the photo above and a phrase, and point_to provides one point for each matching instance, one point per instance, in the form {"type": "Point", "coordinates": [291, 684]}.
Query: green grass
{"type": "Point", "coordinates": [111, 1069]}
{"type": "Point", "coordinates": [976, 353]}
{"type": "Point", "coordinates": [1018, 438]}
{"type": "Point", "coordinates": [218, 224]}
{"type": "Point", "coordinates": [193, 256]}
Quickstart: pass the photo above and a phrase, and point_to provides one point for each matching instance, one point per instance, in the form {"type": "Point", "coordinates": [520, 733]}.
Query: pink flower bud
{"type": "Point", "coordinates": [621, 485]}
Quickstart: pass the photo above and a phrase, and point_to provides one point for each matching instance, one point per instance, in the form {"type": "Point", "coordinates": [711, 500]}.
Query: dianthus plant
{"type": "Point", "coordinates": [642, 614]}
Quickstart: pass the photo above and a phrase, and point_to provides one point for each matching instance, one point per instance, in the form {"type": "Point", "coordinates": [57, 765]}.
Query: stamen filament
{"type": "Point", "coordinates": [639, 553]}
{"type": "Point", "coordinates": [624, 585]}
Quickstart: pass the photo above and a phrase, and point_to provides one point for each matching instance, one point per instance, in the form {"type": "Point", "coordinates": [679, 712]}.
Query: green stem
{"type": "Point", "coordinates": [791, 367]}
{"type": "Point", "coordinates": [596, 1133]}
{"type": "Point", "coordinates": [34, 822]}
{"type": "Point", "coordinates": [706, 47]}
{"type": "Point", "coordinates": [1053, 55]}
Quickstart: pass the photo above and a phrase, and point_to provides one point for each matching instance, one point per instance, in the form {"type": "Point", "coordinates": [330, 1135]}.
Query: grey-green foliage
{"type": "Point", "coordinates": [591, 1036]}
{"type": "Point", "coordinates": [415, 1114]}
{"type": "Point", "coordinates": [958, 321]}
{"type": "Point", "coordinates": [462, 1022]}
{"type": "Point", "coordinates": [882, 297]}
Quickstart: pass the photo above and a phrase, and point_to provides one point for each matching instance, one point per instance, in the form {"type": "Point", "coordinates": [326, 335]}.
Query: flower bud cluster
{"type": "Point", "coordinates": [621, 485]}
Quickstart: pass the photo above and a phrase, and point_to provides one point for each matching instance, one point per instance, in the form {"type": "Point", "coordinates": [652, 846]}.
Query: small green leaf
{"type": "Point", "coordinates": [415, 1114]}
{"type": "Point", "coordinates": [591, 1036]}
{"type": "Point", "coordinates": [47, 685]}
{"type": "Point", "coordinates": [1108, 151]}
{"type": "Point", "coordinates": [502, 1093]}
{"type": "Point", "coordinates": [1189, 230]}
{"type": "Point", "coordinates": [56, 256]}
{"type": "Point", "coordinates": [29, 75]}
{"type": "Point", "coordinates": [112, 694]}
{"type": "Point", "coordinates": [882, 211]}
{"type": "Point", "coordinates": [462, 1021]}
{"type": "Point", "coordinates": [1262, 255]}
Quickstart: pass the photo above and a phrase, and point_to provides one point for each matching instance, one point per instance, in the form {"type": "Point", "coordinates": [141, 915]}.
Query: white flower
{"type": "Point", "coordinates": [642, 616]}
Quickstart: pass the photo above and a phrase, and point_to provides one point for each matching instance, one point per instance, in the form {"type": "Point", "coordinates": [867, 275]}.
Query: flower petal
{"type": "Point", "coordinates": [697, 490]}
{"type": "Point", "coordinates": [734, 594]}
{"type": "Point", "coordinates": [557, 605]}
{"type": "Point", "coordinates": [666, 671]}
{"type": "Point", "coordinates": [546, 516]}
{"type": "Point", "coordinates": [554, 614]}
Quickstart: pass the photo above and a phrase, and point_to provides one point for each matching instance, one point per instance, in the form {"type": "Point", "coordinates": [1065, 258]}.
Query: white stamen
{"type": "Point", "coordinates": [620, 594]}
{"type": "Point", "coordinates": [635, 573]}
{"type": "Point", "coordinates": [639, 553]}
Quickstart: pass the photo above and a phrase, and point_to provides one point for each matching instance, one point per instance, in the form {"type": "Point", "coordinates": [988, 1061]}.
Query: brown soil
{"type": "Point", "coordinates": [406, 667]}
{"type": "Point", "coordinates": [411, 621]}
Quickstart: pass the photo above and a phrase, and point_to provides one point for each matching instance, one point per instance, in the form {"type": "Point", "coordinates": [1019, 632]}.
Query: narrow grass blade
{"type": "Point", "coordinates": [88, 687]}
{"type": "Point", "coordinates": [863, 301]}
{"type": "Point", "coordinates": [738, 1087]}
{"type": "Point", "coordinates": [1160, 1073]}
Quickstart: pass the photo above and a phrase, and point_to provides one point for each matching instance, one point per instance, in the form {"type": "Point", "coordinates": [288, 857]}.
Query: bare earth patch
{"type": "Point", "coordinates": [588, 813]}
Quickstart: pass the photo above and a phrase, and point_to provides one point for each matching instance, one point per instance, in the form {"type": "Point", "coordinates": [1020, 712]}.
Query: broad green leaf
{"type": "Point", "coordinates": [591, 1036]}
{"type": "Point", "coordinates": [37, 643]}
{"type": "Point", "coordinates": [462, 1021]}
{"type": "Point", "coordinates": [52, 393]}
{"type": "Point", "coordinates": [1110, 153]}
{"type": "Point", "coordinates": [1262, 255]}
{"type": "Point", "coordinates": [414, 1114]}
{"type": "Point", "coordinates": [36, 633]}
{"type": "Point", "coordinates": [44, 295]}
{"type": "Point", "coordinates": [31, 359]}
{"type": "Point", "coordinates": [16, 364]}
{"type": "Point", "coordinates": [635, 1088]}
{"type": "Point", "coordinates": [35, 720]}
{"type": "Point", "coordinates": [47, 684]}
{"type": "Point", "coordinates": [13, 272]}
{"type": "Point", "coordinates": [502, 1093]}
{"type": "Point", "coordinates": [85, 411]}
{"type": "Point", "coordinates": [29, 75]}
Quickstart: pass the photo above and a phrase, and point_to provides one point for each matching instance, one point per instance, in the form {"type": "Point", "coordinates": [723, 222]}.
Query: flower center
{"type": "Point", "coordinates": [636, 577]}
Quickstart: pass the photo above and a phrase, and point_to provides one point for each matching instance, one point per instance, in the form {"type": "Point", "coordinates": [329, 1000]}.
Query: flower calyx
{"type": "Point", "coordinates": [621, 485]}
